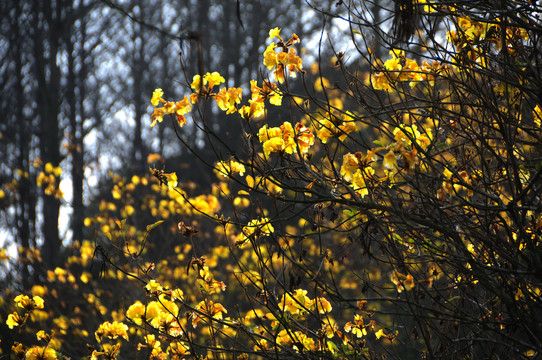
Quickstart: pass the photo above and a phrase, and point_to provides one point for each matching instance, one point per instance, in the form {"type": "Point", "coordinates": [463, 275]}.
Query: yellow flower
{"type": "Point", "coordinates": [323, 306]}
{"type": "Point", "coordinates": [537, 113]}
{"type": "Point", "coordinates": [181, 108]}
{"type": "Point", "coordinates": [214, 79]}
{"type": "Point", "coordinates": [111, 330]}
{"type": "Point", "coordinates": [40, 353]}
{"type": "Point", "coordinates": [210, 309]}
{"type": "Point", "coordinates": [210, 80]}
{"type": "Point", "coordinates": [157, 97]}
{"type": "Point", "coordinates": [269, 90]}
{"type": "Point", "coordinates": [287, 137]}
{"type": "Point", "coordinates": [380, 81]}
{"type": "Point", "coordinates": [358, 181]}
{"type": "Point", "coordinates": [404, 133]}
{"type": "Point", "coordinates": [274, 144]}
{"type": "Point", "coordinates": [136, 312]}
{"type": "Point", "coordinates": [256, 228]}
{"type": "Point", "coordinates": [177, 294]}
{"type": "Point", "coordinates": [109, 351]}
{"type": "Point", "coordinates": [153, 310]}
{"type": "Point", "coordinates": [351, 163]}
{"type": "Point", "coordinates": [171, 182]}
{"type": "Point", "coordinates": [157, 116]}
{"type": "Point", "coordinates": [292, 62]}
{"type": "Point", "coordinates": [229, 168]}
{"type": "Point", "coordinates": [14, 320]}
{"type": "Point", "coordinates": [255, 109]}
{"type": "Point", "coordinates": [38, 302]}
{"type": "Point", "coordinates": [41, 335]}
{"type": "Point", "coordinates": [227, 100]}
{"type": "Point", "coordinates": [153, 286]}
{"type": "Point", "coordinates": [273, 33]}
{"type": "Point", "coordinates": [304, 137]}
{"type": "Point", "coordinates": [270, 57]}
{"type": "Point", "coordinates": [196, 83]}
{"type": "Point", "coordinates": [389, 160]}
{"type": "Point", "coordinates": [26, 303]}
{"type": "Point", "coordinates": [178, 350]}
{"type": "Point", "coordinates": [403, 282]}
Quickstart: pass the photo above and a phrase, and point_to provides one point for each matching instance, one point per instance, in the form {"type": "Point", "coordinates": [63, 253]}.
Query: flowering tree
{"type": "Point", "coordinates": [391, 206]}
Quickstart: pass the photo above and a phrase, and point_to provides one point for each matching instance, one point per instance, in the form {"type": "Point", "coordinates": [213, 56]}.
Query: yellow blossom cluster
{"type": "Point", "coordinates": [297, 340]}
{"type": "Point", "coordinates": [227, 99]}
{"type": "Point", "coordinates": [404, 134]}
{"type": "Point", "coordinates": [179, 108]}
{"type": "Point", "coordinates": [399, 69]}
{"type": "Point", "coordinates": [256, 228]}
{"type": "Point", "coordinates": [41, 353]}
{"type": "Point", "coordinates": [299, 304]}
{"type": "Point", "coordinates": [205, 85]}
{"type": "Point", "coordinates": [285, 60]}
{"type": "Point", "coordinates": [336, 126]}
{"type": "Point", "coordinates": [452, 183]}
{"type": "Point", "coordinates": [473, 38]}
{"type": "Point", "coordinates": [207, 310]}
{"type": "Point", "coordinates": [286, 139]}
{"type": "Point", "coordinates": [228, 168]}
{"type": "Point", "coordinates": [403, 282]}
{"type": "Point", "coordinates": [50, 179]}
{"type": "Point", "coordinates": [28, 304]}
{"type": "Point", "coordinates": [162, 314]}
{"type": "Point", "coordinates": [356, 169]}
{"type": "Point", "coordinates": [108, 351]}
{"type": "Point", "coordinates": [208, 282]}
{"type": "Point", "coordinates": [112, 330]}
{"type": "Point", "coordinates": [357, 327]}
{"type": "Point", "coordinates": [256, 107]}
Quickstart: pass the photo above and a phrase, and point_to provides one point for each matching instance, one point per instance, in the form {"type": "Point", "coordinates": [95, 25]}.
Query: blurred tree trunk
{"type": "Point", "coordinates": [48, 30]}
{"type": "Point", "coordinates": [74, 98]}
{"type": "Point", "coordinates": [26, 207]}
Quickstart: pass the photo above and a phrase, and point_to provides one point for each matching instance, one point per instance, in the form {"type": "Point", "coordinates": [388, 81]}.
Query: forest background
{"type": "Point", "coordinates": [377, 196]}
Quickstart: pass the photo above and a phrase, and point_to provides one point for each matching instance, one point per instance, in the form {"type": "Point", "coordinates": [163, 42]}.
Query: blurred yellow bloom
{"type": "Point", "coordinates": [171, 182]}
{"type": "Point", "coordinates": [154, 287]}
{"type": "Point", "coordinates": [537, 113]}
{"type": "Point", "coordinates": [256, 228]}
{"type": "Point", "coordinates": [322, 305]}
{"type": "Point", "coordinates": [389, 161]}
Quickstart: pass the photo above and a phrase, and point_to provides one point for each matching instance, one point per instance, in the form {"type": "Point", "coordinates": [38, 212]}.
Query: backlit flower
{"type": "Point", "coordinates": [157, 97]}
